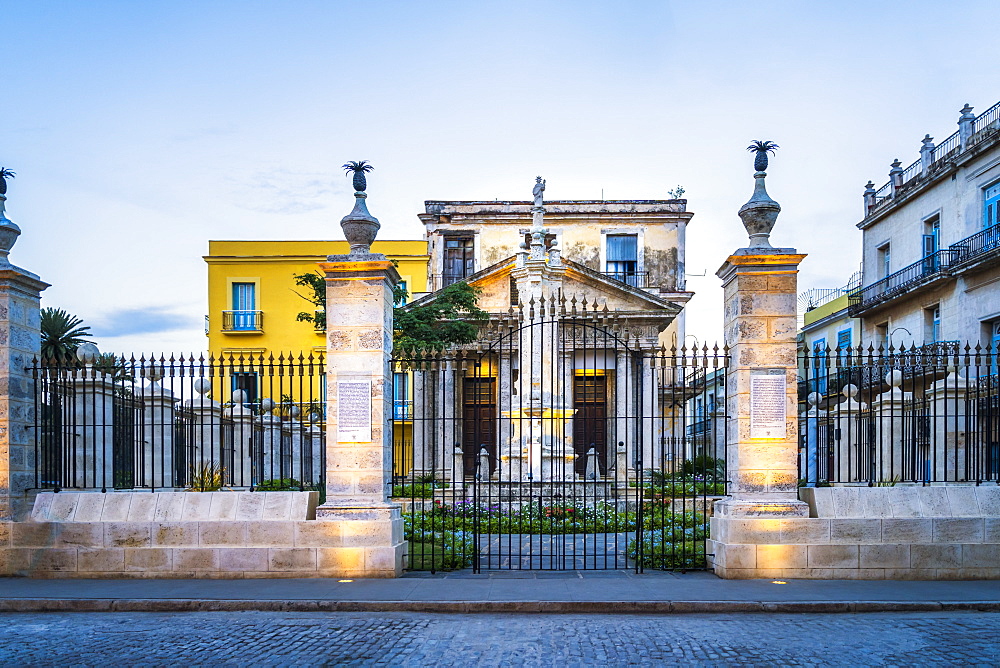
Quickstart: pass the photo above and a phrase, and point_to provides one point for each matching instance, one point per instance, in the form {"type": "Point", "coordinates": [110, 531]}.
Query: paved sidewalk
{"type": "Point", "coordinates": [502, 591]}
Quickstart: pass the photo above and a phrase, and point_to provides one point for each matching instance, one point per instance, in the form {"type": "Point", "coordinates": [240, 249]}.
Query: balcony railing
{"type": "Point", "coordinates": [242, 321]}
{"type": "Point", "coordinates": [978, 244]}
{"type": "Point", "coordinates": [637, 279]}
{"type": "Point", "coordinates": [906, 279]}
{"type": "Point", "coordinates": [946, 150]}
{"type": "Point", "coordinates": [402, 409]}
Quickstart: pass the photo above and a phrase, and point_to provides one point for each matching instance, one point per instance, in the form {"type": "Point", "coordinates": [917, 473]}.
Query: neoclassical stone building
{"type": "Point", "coordinates": [582, 297]}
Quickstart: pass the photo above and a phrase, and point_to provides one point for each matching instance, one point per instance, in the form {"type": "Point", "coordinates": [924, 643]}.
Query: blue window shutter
{"type": "Point", "coordinates": [844, 339]}
{"type": "Point", "coordinates": [623, 248]}
{"type": "Point", "coordinates": [244, 297]}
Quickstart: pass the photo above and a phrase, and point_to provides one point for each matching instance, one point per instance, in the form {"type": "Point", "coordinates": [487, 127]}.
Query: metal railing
{"type": "Point", "coordinates": [978, 244]}
{"type": "Point", "coordinates": [637, 279]}
{"type": "Point", "coordinates": [242, 321]}
{"type": "Point", "coordinates": [205, 424]}
{"type": "Point", "coordinates": [946, 150]}
{"type": "Point", "coordinates": [906, 279]}
{"type": "Point", "coordinates": [926, 415]}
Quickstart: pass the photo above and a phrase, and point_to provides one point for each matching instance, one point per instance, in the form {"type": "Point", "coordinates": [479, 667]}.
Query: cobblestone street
{"type": "Point", "coordinates": [410, 639]}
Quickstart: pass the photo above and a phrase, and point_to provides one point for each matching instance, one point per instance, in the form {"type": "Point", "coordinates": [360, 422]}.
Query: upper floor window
{"type": "Point", "coordinates": [459, 259]}
{"type": "Point", "coordinates": [991, 204]}
{"type": "Point", "coordinates": [932, 317]}
{"type": "Point", "coordinates": [844, 339]}
{"type": "Point", "coordinates": [885, 259]}
{"type": "Point", "coordinates": [623, 257]}
{"type": "Point", "coordinates": [930, 241]}
{"type": "Point", "coordinates": [244, 314]}
{"type": "Point", "coordinates": [403, 294]}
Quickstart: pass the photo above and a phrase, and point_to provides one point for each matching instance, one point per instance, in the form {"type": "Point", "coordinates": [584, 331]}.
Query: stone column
{"type": "Point", "coordinates": [760, 329]}
{"type": "Point", "coordinates": [93, 405]}
{"type": "Point", "coordinates": [158, 450]}
{"type": "Point", "coordinates": [950, 406]}
{"type": "Point", "coordinates": [20, 293]}
{"type": "Point", "coordinates": [759, 285]}
{"type": "Point", "coordinates": [359, 441]}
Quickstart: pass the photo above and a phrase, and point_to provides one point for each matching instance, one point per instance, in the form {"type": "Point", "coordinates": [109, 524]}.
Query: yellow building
{"type": "Point", "coordinates": [252, 296]}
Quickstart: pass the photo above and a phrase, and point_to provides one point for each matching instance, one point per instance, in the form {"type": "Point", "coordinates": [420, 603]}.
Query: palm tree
{"type": "Point", "coordinates": [4, 175]}
{"type": "Point", "coordinates": [62, 334]}
{"type": "Point", "coordinates": [762, 148]}
{"type": "Point", "coordinates": [360, 168]}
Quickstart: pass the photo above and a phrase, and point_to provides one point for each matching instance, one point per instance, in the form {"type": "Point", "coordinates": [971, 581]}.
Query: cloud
{"type": "Point", "coordinates": [139, 321]}
{"type": "Point", "coordinates": [283, 191]}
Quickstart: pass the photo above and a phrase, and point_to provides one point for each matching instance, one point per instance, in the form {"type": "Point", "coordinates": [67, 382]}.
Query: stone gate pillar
{"type": "Point", "coordinates": [760, 330]}
{"type": "Point", "coordinates": [20, 294]}
{"type": "Point", "coordinates": [359, 439]}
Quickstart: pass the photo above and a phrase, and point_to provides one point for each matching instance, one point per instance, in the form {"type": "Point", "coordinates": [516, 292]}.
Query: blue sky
{"type": "Point", "coordinates": [140, 130]}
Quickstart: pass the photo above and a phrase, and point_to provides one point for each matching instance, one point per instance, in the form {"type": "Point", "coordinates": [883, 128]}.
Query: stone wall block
{"type": "Point", "coordinates": [875, 501]}
{"type": "Point", "coordinates": [250, 506]}
{"type": "Point", "coordinates": [989, 500]}
{"type": "Point", "coordinates": [53, 559]}
{"type": "Point", "coordinates": [90, 507]}
{"type": "Point", "coordinates": [63, 507]}
{"type": "Point", "coordinates": [78, 534]}
{"type": "Point", "coordinates": [935, 556]}
{"type": "Point", "coordinates": [116, 507]}
{"type": "Point", "coordinates": [5, 531]}
{"type": "Point", "coordinates": [992, 530]}
{"type": "Point", "coordinates": [197, 506]}
{"type": "Point", "coordinates": [169, 506]}
{"type": "Point", "coordinates": [907, 530]}
{"type": "Point", "coordinates": [855, 531]}
{"type": "Point", "coordinates": [223, 506]}
{"type": "Point", "coordinates": [963, 501]}
{"type": "Point", "coordinates": [905, 502]}
{"type": "Point", "coordinates": [304, 506]}
{"type": "Point", "coordinates": [361, 533]}
{"type": "Point", "coordinates": [934, 502]}
{"type": "Point", "coordinates": [833, 556]}
{"type": "Point", "coordinates": [195, 559]}
{"type": "Point", "coordinates": [981, 556]}
{"type": "Point", "coordinates": [174, 534]}
{"type": "Point", "coordinates": [341, 560]}
{"type": "Point", "coordinates": [271, 533]}
{"type": "Point", "coordinates": [32, 534]}
{"type": "Point", "coordinates": [318, 534]}
{"type": "Point", "coordinates": [222, 534]}
{"type": "Point", "coordinates": [142, 508]}
{"type": "Point", "coordinates": [237, 559]}
{"type": "Point", "coordinates": [384, 561]}
{"type": "Point", "coordinates": [277, 506]}
{"type": "Point", "coordinates": [43, 503]}
{"type": "Point", "coordinates": [781, 556]}
{"type": "Point", "coordinates": [127, 534]}
{"type": "Point", "coordinates": [101, 560]}
{"type": "Point", "coordinates": [739, 556]}
{"type": "Point", "coordinates": [14, 561]}
{"type": "Point", "coordinates": [884, 556]}
{"type": "Point", "coordinates": [801, 530]}
{"type": "Point", "coordinates": [292, 559]}
{"type": "Point", "coordinates": [847, 502]}
{"type": "Point", "coordinates": [959, 530]}
{"type": "Point", "coordinates": [145, 560]}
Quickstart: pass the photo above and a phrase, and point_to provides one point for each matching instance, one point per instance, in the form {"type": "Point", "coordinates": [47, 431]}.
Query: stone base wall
{"type": "Point", "coordinates": [191, 548]}
{"type": "Point", "coordinates": [933, 533]}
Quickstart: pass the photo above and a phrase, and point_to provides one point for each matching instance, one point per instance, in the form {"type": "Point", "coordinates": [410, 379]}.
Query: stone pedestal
{"type": "Point", "coordinates": [358, 438]}
{"type": "Point", "coordinates": [762, 452]}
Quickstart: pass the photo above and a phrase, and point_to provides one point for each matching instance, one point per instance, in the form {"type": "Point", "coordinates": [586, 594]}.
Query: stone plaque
{"type": "Point", "coordinates": [354, 411]}
{"type": "Point", "coordinates": [767, 403]}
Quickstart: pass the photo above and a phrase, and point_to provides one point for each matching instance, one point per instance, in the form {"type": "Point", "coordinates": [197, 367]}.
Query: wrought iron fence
{"type": "Point", "coordinates": [885, 416]}
{"type": "Point", "coordinates": [240, 421]}
{"type": "Point", "coordinates": [900, 282]}
{"type": "Point", "coordinates": [558, 441]}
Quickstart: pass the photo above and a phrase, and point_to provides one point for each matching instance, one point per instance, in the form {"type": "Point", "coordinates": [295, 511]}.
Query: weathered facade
{"type": "Point", "coordinates": [931, 256]}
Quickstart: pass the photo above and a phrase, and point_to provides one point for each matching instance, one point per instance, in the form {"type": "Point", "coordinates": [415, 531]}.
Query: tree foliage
{"type": "Point", "coordinates": [451, 318]}
{"type": "Point", "coordinates": [62, 334]}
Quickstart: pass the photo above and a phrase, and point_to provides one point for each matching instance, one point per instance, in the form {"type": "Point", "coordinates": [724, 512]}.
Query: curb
{"type": "Point", "coordinates": [473, 607]}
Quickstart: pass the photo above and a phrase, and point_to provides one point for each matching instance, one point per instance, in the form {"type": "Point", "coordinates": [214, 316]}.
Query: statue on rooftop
{"type": "Point", "coordinates": [537, 191]}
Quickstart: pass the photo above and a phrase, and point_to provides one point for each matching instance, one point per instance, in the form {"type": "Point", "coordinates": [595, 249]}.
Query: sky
{"type": "Point", "coordinates": [140, 130]}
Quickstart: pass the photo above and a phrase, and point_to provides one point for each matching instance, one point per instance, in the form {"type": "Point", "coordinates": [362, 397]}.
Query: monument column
{"type": "Point", "coordinates": [760, 330]}
{"type": "Point", "coordinates": [20, 293]}
{"type": "Point", "coordinates": [359, 440]}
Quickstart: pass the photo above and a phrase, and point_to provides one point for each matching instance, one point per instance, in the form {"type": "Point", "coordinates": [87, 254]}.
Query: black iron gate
{"type": "Point", "coordinates": [565, 439]}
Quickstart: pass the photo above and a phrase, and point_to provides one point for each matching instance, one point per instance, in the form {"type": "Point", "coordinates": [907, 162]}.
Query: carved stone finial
{"type": "Point", "coordinates": [360, 227]}
{"type": "Point", "coordinates": [9, 232]}
{"type": "Point", "coordinates": [760, 212]}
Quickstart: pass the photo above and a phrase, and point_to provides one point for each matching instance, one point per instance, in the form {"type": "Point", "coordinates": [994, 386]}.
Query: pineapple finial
{"type": "Point", "coordinates": [760, 213]}
{"type": "Point", "coordinates": [360, 168]}
{"type": "Point", "coordinates": [4, 175]}
{"type": "Point", "coordinates": [762, 148]}
{"type": "Point", "coordinates": [359, 226]}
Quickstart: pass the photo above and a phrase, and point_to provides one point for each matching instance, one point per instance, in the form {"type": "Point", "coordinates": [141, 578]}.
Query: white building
{"type": "Point", "coordinates": [931, 237]}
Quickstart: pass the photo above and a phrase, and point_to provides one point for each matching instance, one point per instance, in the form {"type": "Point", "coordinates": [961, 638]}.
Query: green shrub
{"type": "Point", "coordinates": [290, 485]}
{"type": "Point", "coordinates": [415, 491]}
{"type": "Point", "coordinates": [704, 466]}
{"type": "Point", "coordinates": [667, 555]}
